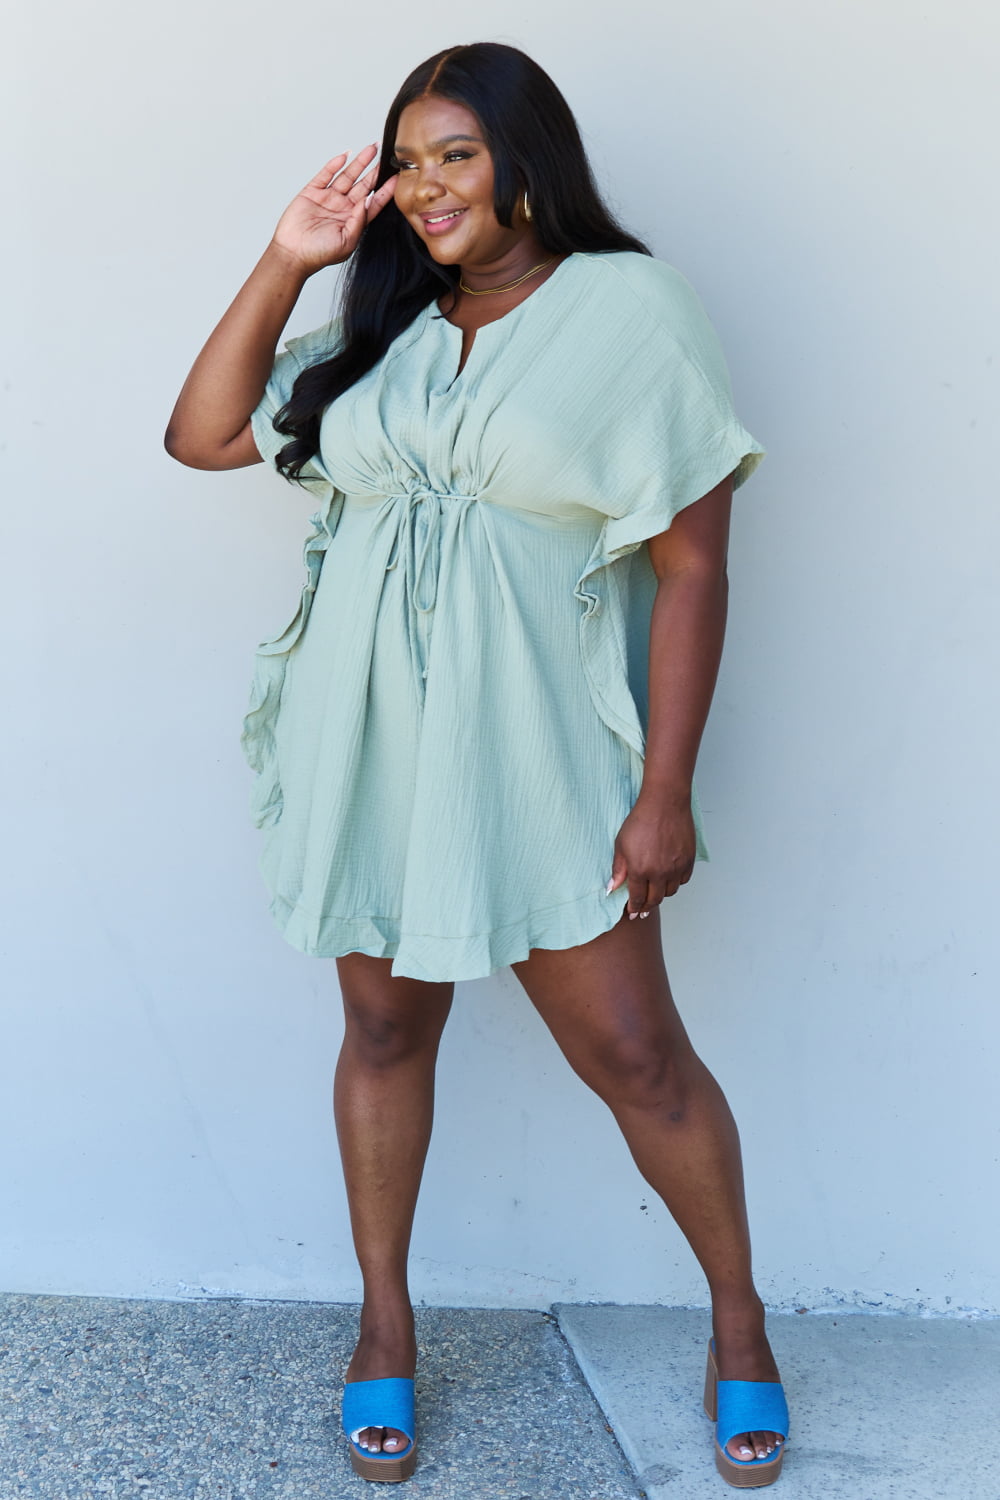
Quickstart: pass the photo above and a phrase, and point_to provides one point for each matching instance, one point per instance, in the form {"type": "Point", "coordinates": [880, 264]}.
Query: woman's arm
{"type": "Point", "coordinates": [655, 849]}
{"type": "Point", "coordinates": [210, 424]}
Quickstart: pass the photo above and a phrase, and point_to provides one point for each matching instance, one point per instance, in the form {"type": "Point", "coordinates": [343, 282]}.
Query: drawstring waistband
{"type": "Point", "coordinates": [417, 547]}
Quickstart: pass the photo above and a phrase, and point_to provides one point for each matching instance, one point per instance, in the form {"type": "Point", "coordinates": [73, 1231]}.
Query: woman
{"type": "Point", "coordinates": [476, 741]}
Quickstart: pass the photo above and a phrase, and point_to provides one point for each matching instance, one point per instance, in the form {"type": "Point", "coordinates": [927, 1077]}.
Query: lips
{"type": "Point", "coordinates": [442, 221]}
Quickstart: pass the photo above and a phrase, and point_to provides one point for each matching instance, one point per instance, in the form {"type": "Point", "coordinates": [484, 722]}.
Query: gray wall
{"type": "Point", "coordinates": [821, 174]}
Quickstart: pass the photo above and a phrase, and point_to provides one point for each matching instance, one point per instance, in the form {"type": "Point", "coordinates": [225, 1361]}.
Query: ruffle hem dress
{"type": "Point", "coordinates": [449, 734]}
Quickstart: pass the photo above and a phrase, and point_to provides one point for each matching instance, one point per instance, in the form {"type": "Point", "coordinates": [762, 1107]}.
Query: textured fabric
{"type": "Point", "coordinates": [750, 1406]}
{"type": "Point", "coordinates": [379, 1403]}
{"type": "Point", "coordinates": [449, 734]}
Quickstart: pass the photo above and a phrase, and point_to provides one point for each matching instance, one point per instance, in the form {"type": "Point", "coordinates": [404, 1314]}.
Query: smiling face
{"type": "Point", "coordinates": [445, 189]}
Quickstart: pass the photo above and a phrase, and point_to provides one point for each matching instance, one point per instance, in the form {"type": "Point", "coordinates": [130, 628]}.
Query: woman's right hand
{"type": "Point", "coordinates": [322, 224]}
{"type": "Point", "coordinates": [210, 427]}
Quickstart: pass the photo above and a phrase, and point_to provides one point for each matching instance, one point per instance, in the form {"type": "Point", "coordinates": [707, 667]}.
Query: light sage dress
{"type": "Point", "coordinates": [449, 734]}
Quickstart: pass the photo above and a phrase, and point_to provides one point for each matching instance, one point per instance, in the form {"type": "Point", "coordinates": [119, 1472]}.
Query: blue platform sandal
{"type": "Point", "coordinates": [737, 1406]}
{"type": "Point", "coordinates": [380, 1403]}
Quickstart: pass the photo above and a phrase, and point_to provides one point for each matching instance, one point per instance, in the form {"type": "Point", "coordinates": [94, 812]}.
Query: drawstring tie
{"type": "Point", "coordinates": [417, 550]}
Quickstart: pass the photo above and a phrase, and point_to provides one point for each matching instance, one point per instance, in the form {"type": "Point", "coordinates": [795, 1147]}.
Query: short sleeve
{"type": "Point", "coordinates": [298, 353]}
{"type": "Point", "coordinates": [680, 436]}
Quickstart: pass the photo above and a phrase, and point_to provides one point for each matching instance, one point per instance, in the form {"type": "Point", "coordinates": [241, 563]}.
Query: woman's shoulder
{"type": "Point", "coordinates": [659, 305]}
{"type": "Point", "coordinates": [316, 345]}
{"type": "Point", "coordinates": [652, 285]}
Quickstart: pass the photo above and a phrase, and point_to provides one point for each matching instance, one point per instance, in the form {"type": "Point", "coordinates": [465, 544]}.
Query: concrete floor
{"type": "Point", "coordinates": [116, 1400]}
{"type": "Point", "coordinates": [113, 1400]}
{"type": "Point", "coordinates": [880, 1406]}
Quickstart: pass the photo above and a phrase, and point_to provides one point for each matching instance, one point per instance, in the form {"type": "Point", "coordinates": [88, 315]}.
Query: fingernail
{"type": "Point", "coordinates": [643, 915]}
{"type": "Point", "coordinates": [607, 888]}
{"type": "Point", "coordinates": [632, 915]}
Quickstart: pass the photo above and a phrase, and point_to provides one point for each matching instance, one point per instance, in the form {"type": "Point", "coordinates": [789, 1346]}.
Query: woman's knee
{"type": "Point", "coordinates": [388, 1020]}
{"type": "Point", "coordinates": [644, 1072]}
{"type": "Point", "coordinates": [380, 1040]}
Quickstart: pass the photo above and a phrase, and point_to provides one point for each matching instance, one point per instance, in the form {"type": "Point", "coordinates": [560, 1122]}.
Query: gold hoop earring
{"type": "Point", "coordinates": [526, 208]}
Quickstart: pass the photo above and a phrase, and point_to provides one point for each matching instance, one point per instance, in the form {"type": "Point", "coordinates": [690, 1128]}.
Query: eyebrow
{"type": "Point", "coordinates": [446, 140]}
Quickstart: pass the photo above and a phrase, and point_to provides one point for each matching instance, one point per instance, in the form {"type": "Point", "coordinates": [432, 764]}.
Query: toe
{"type": "Point", "coordinates": [380, 1439]}
{"type": "Point", "coordinates": [739, 1447]}
{"type": "Point", "coordinates": [747, 1446]}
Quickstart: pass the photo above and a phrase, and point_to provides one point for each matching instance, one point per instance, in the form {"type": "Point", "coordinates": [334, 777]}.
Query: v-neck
{"type": "Point", "coordinates": [463, 366]}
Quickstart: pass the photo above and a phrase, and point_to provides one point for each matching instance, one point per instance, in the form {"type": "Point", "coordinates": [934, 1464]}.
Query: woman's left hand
{"type": "Point", "coordinates": [654, 853]}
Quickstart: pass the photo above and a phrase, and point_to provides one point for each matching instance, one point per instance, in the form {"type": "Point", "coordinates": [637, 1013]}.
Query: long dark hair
{"type": "Point", "coordinates": [536, 149]}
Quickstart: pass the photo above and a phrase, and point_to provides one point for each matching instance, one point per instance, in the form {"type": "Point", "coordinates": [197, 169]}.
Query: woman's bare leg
{"type": "Point", "coordinates": [609, 1007]}
{"type": "Point", "coordinates": [384, 1106]}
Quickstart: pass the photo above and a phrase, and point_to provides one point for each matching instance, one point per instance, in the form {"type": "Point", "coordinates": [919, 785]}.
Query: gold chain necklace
{"type": "Point", "coordinates": [508, 286]}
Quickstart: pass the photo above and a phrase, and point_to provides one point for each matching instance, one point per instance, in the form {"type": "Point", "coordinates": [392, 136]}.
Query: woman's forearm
{"type": "Point", "coordinates": [656, 846]}
{"type": "Point", "coordinates": [209, 427]}
{"type": "Point", "coordinates": [686, 634]}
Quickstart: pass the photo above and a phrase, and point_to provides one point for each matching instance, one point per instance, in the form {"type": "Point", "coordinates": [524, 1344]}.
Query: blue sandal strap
{"type": "Point", "coordinates": [750, 1406]}
{"type": "Point", "coordinates": [379, 1403]}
